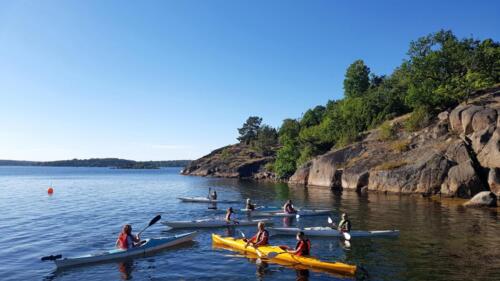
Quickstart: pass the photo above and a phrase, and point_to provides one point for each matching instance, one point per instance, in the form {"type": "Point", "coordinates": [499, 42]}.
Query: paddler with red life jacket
{"type": "Point", "coordinates": [288, 207]}
{"type": "Point", "coordinates": [303, 247]}
{"type": "Point", "coordinates": [261, 238]}
{"type": "Point", "coordinates": [126, 240]}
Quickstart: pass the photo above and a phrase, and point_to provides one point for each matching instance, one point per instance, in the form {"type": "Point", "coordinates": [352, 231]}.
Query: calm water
{"type": "Point", "coordinates": [438, 241]}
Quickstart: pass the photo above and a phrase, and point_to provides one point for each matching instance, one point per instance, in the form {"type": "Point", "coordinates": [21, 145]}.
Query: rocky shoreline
{"type": "Point", "coordinates": [457, 155]}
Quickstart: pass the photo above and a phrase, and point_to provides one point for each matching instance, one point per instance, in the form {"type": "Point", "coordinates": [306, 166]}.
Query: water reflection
{"type": "Point", "coordinates": [302, 274]}
{"type": "Point", "coordinates": [126, 269]}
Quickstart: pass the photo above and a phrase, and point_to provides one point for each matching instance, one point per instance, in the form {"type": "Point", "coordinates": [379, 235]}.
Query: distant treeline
{"type": "Point", "coordinates": [100, 162]}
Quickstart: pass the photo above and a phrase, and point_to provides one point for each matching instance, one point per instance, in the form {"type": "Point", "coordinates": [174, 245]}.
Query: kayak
{"type": "Point", "coordinates": [262, 209]}
{"type": "Point", "coordinates": [329, 232]}
{"type": "Point", "coordinates": [302, 213]}
{"type": "Point", "coordinates": [282, 255]}
{"type": "Point", "coordinates": [205, 200]}
{"type": "Point", "coordinates": [150, 245]}
{"type": "Point", "coordinates": [205, 223]}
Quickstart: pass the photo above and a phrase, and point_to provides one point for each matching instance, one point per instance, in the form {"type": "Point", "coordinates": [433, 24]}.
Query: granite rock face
{"type": "Point", "coordinates": [457, 155]}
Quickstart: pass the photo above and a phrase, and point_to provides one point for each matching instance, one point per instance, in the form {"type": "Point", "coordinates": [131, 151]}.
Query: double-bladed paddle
{"type": "Point", "coordinates": [55, 257]}
{"type": "Point", "coordinates": [345, 234]}
{"type": "Point", "coordinates": [153, 221]}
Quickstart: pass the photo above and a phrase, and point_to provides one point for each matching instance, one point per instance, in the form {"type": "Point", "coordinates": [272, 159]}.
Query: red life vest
{"type": "Point", "coordinates": [123, 241]}
{"type": "Point", "coordinates": [304, 247]}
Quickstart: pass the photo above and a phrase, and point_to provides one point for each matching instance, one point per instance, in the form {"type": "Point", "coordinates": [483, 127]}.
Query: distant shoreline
{"type": "Point", "coordinates": [99, 162]}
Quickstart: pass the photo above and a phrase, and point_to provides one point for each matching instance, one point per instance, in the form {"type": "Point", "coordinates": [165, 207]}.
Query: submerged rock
{"type": "Point", "coordinates": [482, 199]}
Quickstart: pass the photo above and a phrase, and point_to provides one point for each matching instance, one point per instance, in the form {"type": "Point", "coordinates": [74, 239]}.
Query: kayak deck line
{"type": "Point", "coordinates": [151, 245]}
{"type": "Point", "coordinates": [206, 200]}
{"type": "Point", "coordinates": [213, 223]}
{"type": "Point", "coordinates": [330, 232]}
{"type": "Point", "coordinates": [282, 255]}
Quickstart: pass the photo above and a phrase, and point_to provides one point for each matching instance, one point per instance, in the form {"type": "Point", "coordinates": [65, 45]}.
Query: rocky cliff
{"type": "Point", "coordinates": [458, 155]}
{"type": "Point", "coordinates": [233, 161]}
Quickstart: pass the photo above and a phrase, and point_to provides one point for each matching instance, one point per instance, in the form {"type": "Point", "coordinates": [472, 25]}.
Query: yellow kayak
{"type": "Point", "coordinates": [282, 255]}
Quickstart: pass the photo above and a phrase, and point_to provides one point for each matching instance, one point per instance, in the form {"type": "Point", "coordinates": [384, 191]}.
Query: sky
{"type": "Point", "coordinates": [162, 80]}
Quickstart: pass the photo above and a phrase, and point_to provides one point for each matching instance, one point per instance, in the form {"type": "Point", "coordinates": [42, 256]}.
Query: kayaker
{"type": "Point", "coordinates": [344, 224]}
{"type": "Point", "coordinates": [126, 240]}
{"type": "Point", "coordinates": [303, 247]}
{"type": "Point", "coordinates": [261, 238]}
{"type": "Point", "coordinates": [288, 207]}
{"type": "Point", "coordinates": [213, 196]}
{"type": "Point", "coordinates": [229, 212]}
{"type": "Point", "coordinates": [249, 205]}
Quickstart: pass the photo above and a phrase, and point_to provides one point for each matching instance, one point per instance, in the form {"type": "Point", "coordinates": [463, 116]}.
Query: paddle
{"type": "Point", "coordinates": [51, 258]}
{"type": "Point", "coordinates": [153, 221]}
{"type": "Point", "coordinates": [346, 235]}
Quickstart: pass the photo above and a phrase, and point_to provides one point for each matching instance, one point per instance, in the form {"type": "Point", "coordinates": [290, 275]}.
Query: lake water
{"type": "Point", "coordinates": [438, 240]}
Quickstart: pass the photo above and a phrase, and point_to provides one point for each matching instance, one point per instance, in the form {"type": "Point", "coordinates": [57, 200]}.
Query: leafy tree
{"type": "Point", "coordinates": [357, 79]}
{"type": "Point", "coordinates": [286, 160]}
{"type": "Point", "coordinates": [289, 131]}
{"type": "Point", "coordinates": [248, 132]}
{"type": "Point", "coordinates": [266, 140]}
{"type": "Point", "coordinates": [313, 116]}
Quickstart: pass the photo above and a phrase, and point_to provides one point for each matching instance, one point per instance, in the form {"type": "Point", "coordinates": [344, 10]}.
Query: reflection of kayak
{"type": "Point", "coordinates": [211, 223]}
{"type": "Point", "coordinates": [282, 255]}
{"type": "Point", "coordinates": [205, 200]}
{"type": "Point", "coordinates": [301, 213]}
{"type": "Point", "coordinates": [151, 245]}
{"type": "Point", "coordinates": [329, 232]}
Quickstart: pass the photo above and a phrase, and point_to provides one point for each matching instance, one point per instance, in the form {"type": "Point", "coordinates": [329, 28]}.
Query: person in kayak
{"type": "Point", "coordinates": [288, 208]}
{"type": "Point", "coordinates": [229, 212]}
{"type": "Point", "coordinates": [126, 240]}
{"type": "Point", "coordinates": [249, 205]}
{"type": "Point", "coordinates": [261, 238]}
{"type": "Point", "coordinates": [344, 224]}
{"type": "Point", "coordinates": [303, 247]}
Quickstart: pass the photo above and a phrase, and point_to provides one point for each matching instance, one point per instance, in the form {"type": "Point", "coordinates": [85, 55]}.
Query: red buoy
{"type": "Point", "coordinates": [50, 190]}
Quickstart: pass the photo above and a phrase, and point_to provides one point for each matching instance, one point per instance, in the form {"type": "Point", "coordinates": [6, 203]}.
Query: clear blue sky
{"type": "Point", "coordinates": [151, 80]}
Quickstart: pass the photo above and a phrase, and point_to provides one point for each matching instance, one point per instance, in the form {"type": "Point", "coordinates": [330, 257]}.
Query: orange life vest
{"type": "Point", "coordinates": [123, 241]}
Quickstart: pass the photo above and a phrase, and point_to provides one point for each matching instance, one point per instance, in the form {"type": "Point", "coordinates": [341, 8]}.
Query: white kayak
{"type": "Point", "coordinates": [330, 232]}
{"type": "Point", "coordinates": [302, 213]}
{"type": "Point", "coordinates": [206, 223]}
{"type": "Point", "coordinates": [206, 200]}
{"type": "Point", "coordinates": [262, 209]}
{"type": "Point", "coordinates": [151, 245]}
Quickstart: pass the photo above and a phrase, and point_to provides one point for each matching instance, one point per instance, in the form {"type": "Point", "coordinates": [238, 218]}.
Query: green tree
{"type": "Point", "coordinates": [248, 132]}
{"type": "Point", "coordinates": [286, 160]}
{"type": "Point", "coordinates": [357, 79]}
{"type": "Point", "coordinates": [313, 116]}
{"type": "Point", "coordinates": [266, 140]}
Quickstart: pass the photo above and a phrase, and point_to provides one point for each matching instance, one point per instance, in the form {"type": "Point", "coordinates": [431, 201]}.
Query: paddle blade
{"type": "Point", "coordinates": [51, 258]}
{"type": "Point", "coordinates": [154, 220]}
{"type": "Point", "coordinates": [347, 236]}
{"type": "Point", "coordinates": [242, 234]}
{"type": "Point", "coordinates": [330, 221]}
